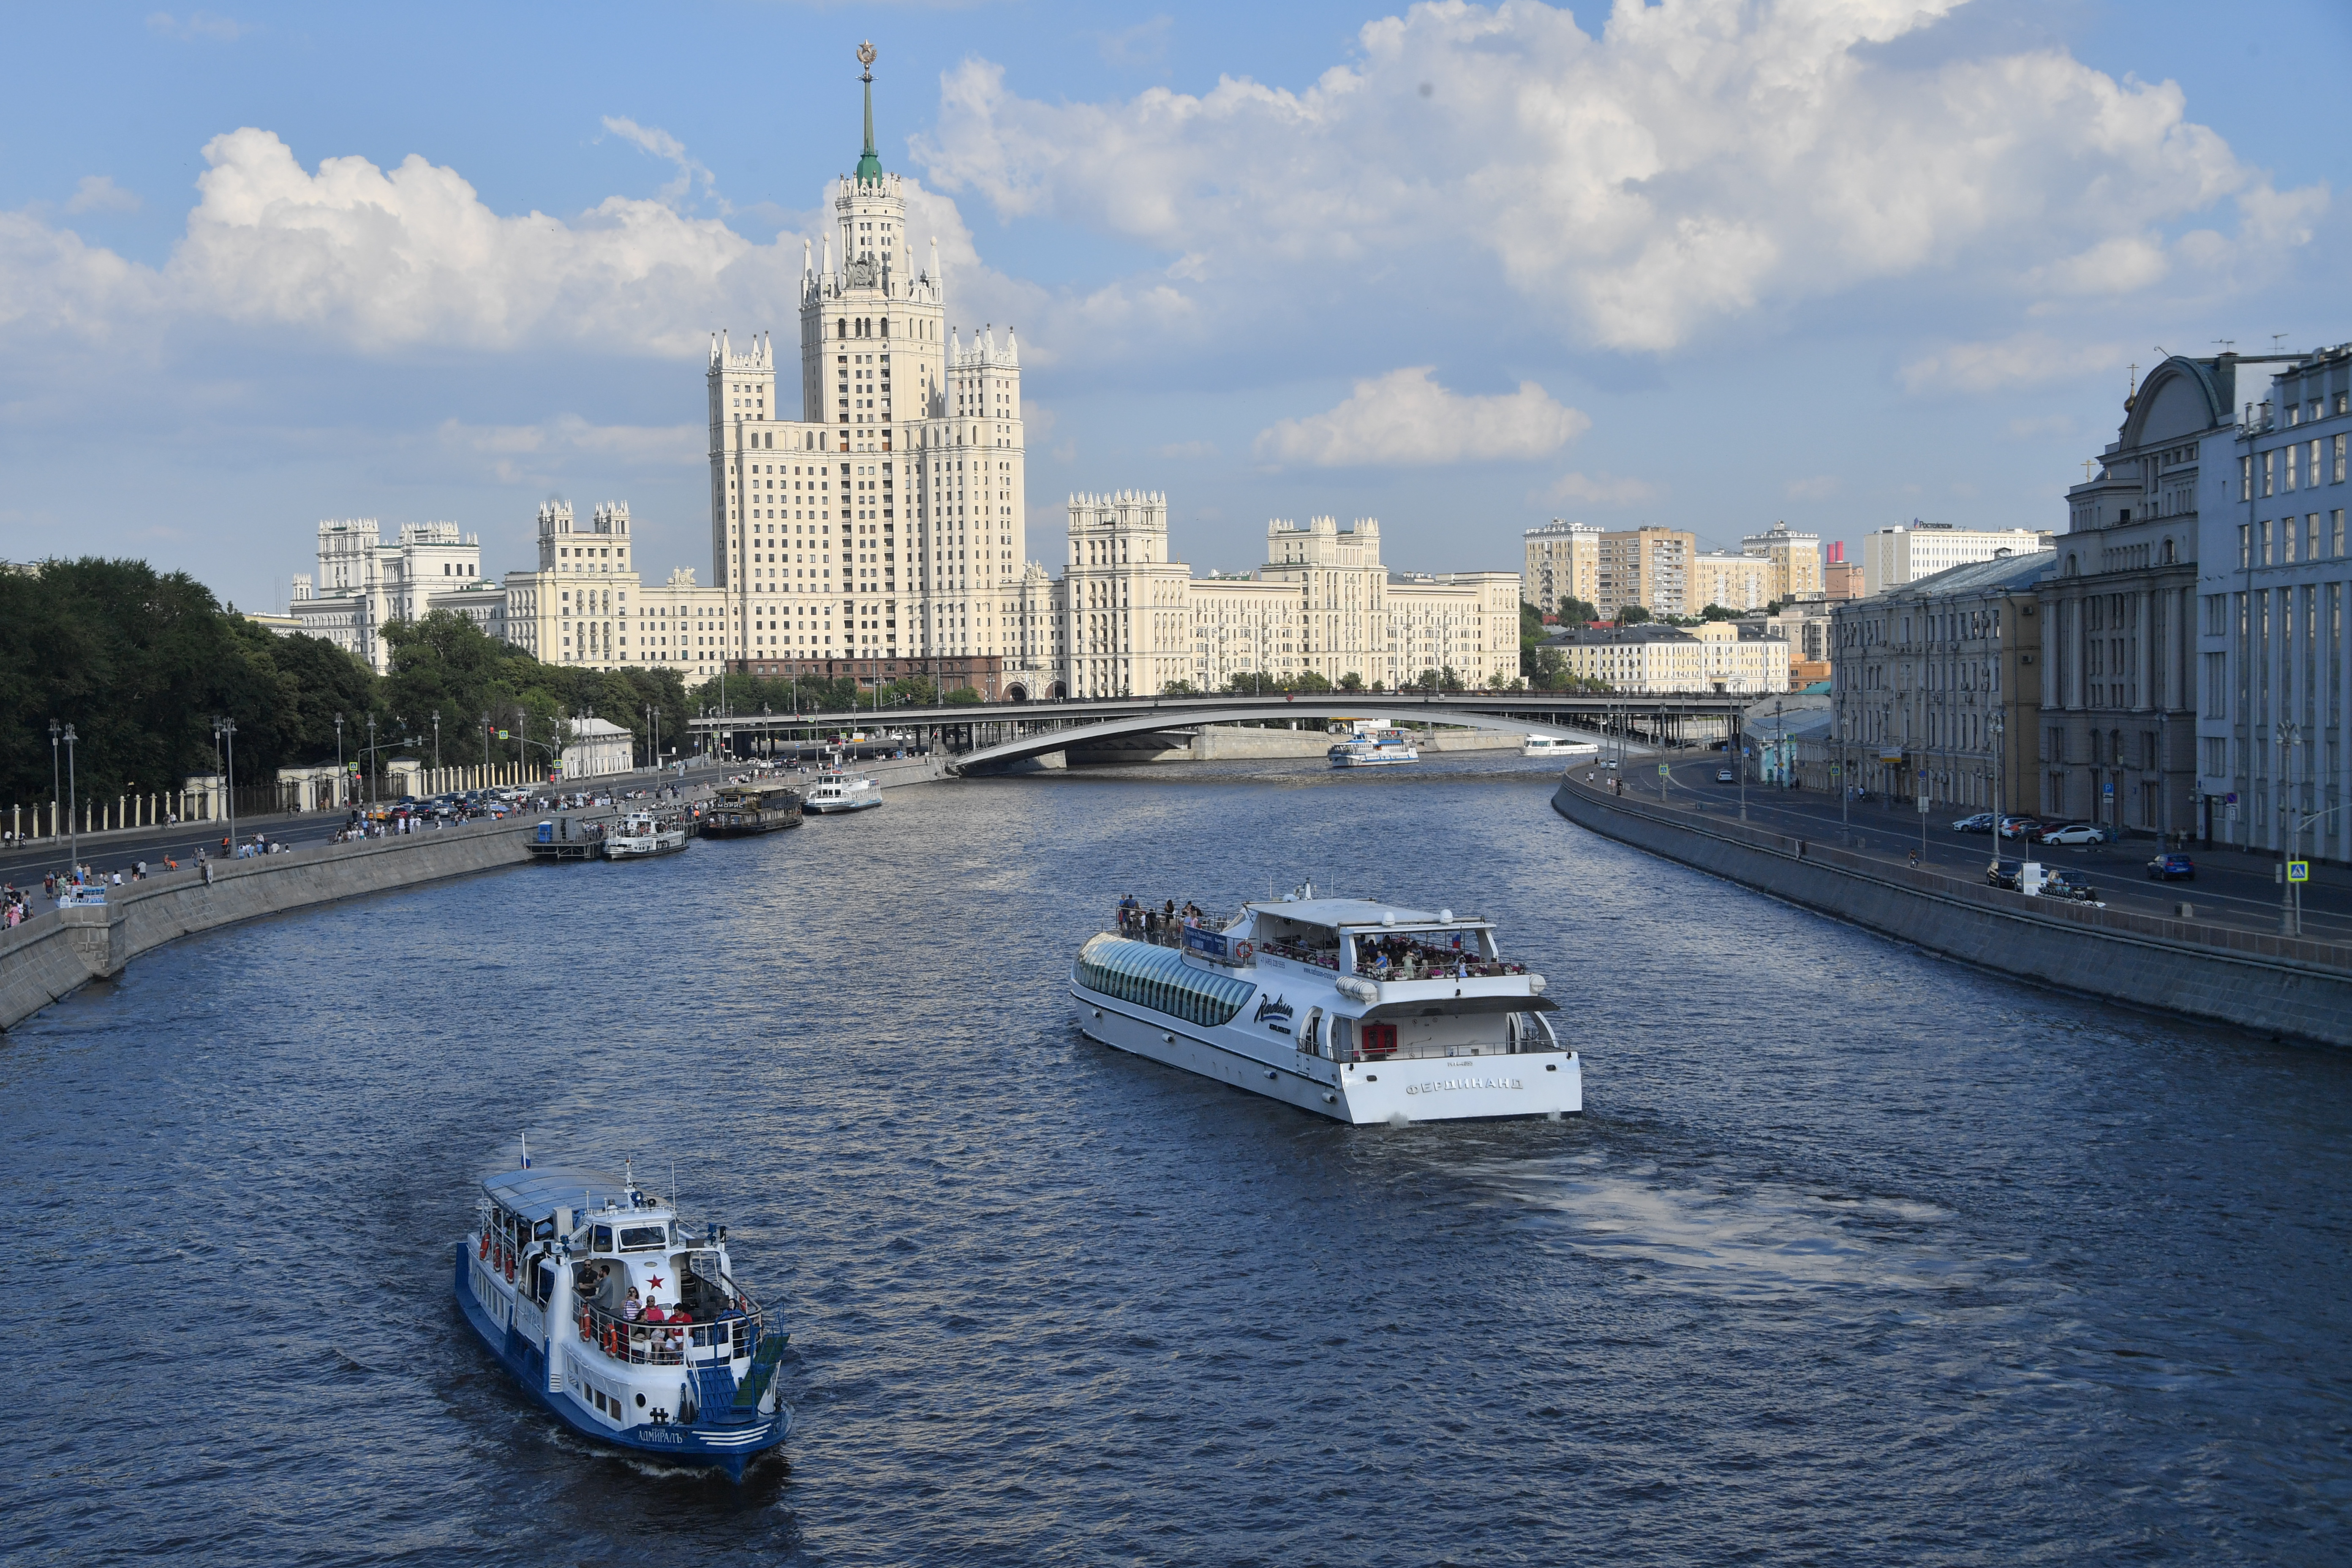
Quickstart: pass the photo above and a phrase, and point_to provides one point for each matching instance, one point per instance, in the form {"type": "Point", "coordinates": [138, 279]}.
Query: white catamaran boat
{"type": "Point", "coordinates": [1356, 1010]}
{"type": "Point", "coordinates": [1373, 745]}
{"type": "Point", "coordinates": [619, 1319]}
{"type": "Point", "coordinates": [837, 792]}
{"type": "Point", "coordinates": [641, 835]}
{"type": "Point", "coordinates": [1552, 746]}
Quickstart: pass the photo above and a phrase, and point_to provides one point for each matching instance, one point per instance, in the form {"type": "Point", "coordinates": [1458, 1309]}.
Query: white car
{"type": "Point", "coordinates": [2079, 833]}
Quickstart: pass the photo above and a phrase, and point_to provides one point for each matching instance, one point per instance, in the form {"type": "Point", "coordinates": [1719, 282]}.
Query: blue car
{"type": "Point", "coordinates": [2172, 868]}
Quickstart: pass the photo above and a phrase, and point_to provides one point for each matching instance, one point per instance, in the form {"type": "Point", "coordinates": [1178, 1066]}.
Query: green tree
{"type": "Point", "coordinates": [1582, 612]}
{"type": "Point", "coordinates": [1180, 688]}
{"type": "Point", "coordinates": [1632, 614]}
{"type": "Point", "coordinates": [1718, 613]}
{"type": "Point", "coordinates": [1352, 681]}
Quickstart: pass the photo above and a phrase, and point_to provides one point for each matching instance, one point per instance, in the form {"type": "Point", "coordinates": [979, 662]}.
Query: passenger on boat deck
{"type": "Point", "coordinates": [631, 1307]}
{"type": "Point", "coordinates": [654, 1313]}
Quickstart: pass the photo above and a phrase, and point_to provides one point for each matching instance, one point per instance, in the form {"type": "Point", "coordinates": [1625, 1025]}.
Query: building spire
{"type": "Point", "coordinates": [869, 165]}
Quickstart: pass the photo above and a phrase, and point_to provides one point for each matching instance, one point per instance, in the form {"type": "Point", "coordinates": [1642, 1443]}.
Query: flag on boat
{"type": "Point", "coordinates": [526, 1150]}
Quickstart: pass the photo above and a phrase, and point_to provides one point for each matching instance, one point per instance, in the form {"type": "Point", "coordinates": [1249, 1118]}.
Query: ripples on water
{"type": "Point", "coordinates": [1857, 1255]}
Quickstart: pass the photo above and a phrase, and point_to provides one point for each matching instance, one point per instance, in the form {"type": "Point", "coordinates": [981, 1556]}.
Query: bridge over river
{"type": "Point", "coordinates": [985, 736]}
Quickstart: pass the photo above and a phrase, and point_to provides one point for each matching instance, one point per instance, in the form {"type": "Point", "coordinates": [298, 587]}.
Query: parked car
{"type": "Point", "coordinates": [2003, 874]}
{"type": "Point", "coordinates": [2172, 868]}
{"type": "Point", "coordinates": [2074, 833]}
{"type": "Point", "coordinates": [1725, 776]}
{"type": "Point", "coordinates": [2017, 826]}
{"type": "Point", "coordinates": [1980, 822]}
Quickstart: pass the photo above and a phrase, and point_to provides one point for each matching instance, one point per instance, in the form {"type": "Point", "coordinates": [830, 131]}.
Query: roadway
{"type": "Point", "coordinates": [2231, 889]}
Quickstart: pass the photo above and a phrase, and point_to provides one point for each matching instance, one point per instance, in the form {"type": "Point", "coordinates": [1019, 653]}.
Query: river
{"type": "Point", "coordinates": [1857, 1255]}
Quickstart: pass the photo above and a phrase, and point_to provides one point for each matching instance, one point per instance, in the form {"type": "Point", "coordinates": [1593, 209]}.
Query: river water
{"type": "Point", "coordinates": [1857, 1255]}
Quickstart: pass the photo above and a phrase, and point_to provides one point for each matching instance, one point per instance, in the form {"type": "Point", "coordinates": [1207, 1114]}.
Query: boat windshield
{"type": "Point", "coordinates": [644, 1238]}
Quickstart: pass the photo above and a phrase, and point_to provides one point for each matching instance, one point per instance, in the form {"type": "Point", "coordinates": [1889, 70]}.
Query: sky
{"type": "Point", "coordinates": [1705, 264]}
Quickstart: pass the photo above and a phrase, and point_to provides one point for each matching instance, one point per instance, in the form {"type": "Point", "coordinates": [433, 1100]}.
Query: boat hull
{"type": "Point", "coordinates": [633, 851]}
{"type": "Point", "coordinates": [780, 820]}
{"type": "Point", "coordinates": [1375, 761]}
{"type": "Point", "coordinates": [726, 1447]}
{"type": "Point", "coordinates": [839, 807]}
{"type": "Point", "coordinates": [1424, 1088]}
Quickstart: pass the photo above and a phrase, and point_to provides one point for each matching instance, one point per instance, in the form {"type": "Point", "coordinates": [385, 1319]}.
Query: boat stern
{"type": "Point", "coordinates": [1457, 1089]}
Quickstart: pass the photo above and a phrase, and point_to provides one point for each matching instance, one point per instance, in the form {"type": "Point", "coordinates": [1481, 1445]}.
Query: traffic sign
{"type": "Point", "coordinates": [1923, 806]}
{"type": "Point", "coordinates": [2298, 870]}
{"type": "Point", "coordinates": [1662, 770]}
{"type": "Point", "coordinates": [2108, 789]}
{"type": "Point", "coordinates": [2233, 798]}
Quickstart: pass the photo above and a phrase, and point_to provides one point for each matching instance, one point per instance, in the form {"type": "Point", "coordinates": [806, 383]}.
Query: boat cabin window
{"type": "Point", "coordinates": [644, 1238]}
{"type": "Point", "coordinates": [543, 1231]}
{"type": "Point", "coordinates": [600, 1238]}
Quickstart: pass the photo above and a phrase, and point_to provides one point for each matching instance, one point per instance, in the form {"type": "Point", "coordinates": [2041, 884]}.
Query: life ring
{"type": "Point", "coordinates": [1241, 952]}
{"type": "Point", "coordinates": [584, 1331]}
{"type": "Point", "coordinates": [485, 1252]}
{"type": "Point", "coordinates": [509, 1267]}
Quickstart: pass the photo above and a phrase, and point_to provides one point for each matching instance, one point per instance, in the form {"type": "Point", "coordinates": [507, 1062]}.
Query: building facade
{"type": "Point", "coordinates": [2118, 625]}
{"type": "Point", "coordinates": [1893, 556]}
{"type": "Point", "coordinates": [1841, 578]}
{"type": "Point", "coordinates": [1796, 559]}
{"type": "Point", "coordinates": [363, 585]}
{"type": "Point", "coordinates": [2273, 575]}
{"type": "Point", "coordinates": [1719, 656]}
{"type": "Point", "coordinates": [1562, 560]}
{"type": "Point", "coordinates": [1646, 566]}
{"type": "Point", "coordinates": [1740, 583]}
{"type": "Point", "coordinates": [585, 605]}
{"type": "Point", "coordinates": [1938, 685]}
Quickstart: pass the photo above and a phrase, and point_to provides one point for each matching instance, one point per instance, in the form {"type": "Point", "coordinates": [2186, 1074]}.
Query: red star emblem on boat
{"type": "Point", "coordinates": [655, 1280]}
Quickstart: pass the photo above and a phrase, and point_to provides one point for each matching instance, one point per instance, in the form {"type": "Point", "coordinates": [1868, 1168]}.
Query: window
{"type": "Point", "coordinates": [2337, 472]}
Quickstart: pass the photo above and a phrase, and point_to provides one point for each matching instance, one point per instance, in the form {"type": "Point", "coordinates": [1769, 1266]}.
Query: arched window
{"type": "Point", "coordinates": [841, 328]}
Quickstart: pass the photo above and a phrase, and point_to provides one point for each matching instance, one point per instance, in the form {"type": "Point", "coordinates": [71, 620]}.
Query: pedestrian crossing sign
{"type": "Point", "coordinates": [2298, 870]}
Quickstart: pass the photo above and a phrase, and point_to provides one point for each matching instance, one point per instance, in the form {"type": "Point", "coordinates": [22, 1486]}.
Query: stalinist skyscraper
{"type": "Point", "coordinates": [885, 521]}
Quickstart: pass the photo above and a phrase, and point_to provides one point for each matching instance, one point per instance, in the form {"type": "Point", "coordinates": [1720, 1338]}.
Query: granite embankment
{"type": "Point", "coordinates": [2276, 985]}
{"type": "Point", "coordinates": [56, 952]}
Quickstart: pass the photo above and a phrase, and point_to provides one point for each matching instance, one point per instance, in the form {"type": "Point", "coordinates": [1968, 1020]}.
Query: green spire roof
{"type": "Point", "coordinates": [869, 166]}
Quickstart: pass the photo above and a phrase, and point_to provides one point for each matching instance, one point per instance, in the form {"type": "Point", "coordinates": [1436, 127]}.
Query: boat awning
{"type": "Point", "coordinates": [1439, 1006]}
{"type": "Point", "coordinates": [539, 1192]}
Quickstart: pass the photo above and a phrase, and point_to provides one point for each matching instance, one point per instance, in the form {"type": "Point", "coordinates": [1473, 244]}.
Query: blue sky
{"type": "Point", "coordinates": [1463, 268]}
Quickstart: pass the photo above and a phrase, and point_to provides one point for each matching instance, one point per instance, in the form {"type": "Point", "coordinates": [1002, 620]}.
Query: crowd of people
{"type": "Point", "coordinates": [1164, 925]}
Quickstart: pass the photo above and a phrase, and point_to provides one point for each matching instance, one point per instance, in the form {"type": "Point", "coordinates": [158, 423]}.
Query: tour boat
{"type": "Point", "coordinates": [1372, 746]}
{"type": "Point", "coordinates": [741, 810]}
{"type": "Point", "coordinates": [641, 835]}
{"type": "Point", "coordinates": [1552, 746]}
{"type": "Point", "coordinates": [837, 792]}
{"type": "Point", "coordinates": [1354, 1009]}
{"type": "Point", "coordinates": [621, 1320]}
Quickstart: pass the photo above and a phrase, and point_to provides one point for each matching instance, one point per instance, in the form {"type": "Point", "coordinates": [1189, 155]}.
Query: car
{"type": "Point", "coordinates": [1725, 776]}
{"type": "Point", "coordinates": [2017, 826]}
{"type": "Point", "coordinates": [2074, 833]}
{"type": "Point", "coordinates": [2172, 868]}
{"type": "Point", "coordinates": [2063, 884]}
{"type": "Point", "coordinates": [1980, 822]}
{"type": "Point", "coordinates": [2003, 874]}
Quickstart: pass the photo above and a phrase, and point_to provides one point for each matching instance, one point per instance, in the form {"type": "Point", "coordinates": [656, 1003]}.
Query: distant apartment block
{"type": "Point", "coordinates": [1909, 552]}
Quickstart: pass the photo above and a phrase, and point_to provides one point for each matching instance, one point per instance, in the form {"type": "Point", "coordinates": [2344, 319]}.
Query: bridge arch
{"type": "Point", "coordinates": [1317, 708]}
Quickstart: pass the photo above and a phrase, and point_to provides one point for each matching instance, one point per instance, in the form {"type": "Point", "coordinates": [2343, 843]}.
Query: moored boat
{"type": "Point", "coordinates": [834, 793]}
{"type": "Point", "coordinates": [1373, 745]}
{"type": "Point", "coordinates": [741, 810]}
{"type": "Point", "coordinates": [614, 1315]}
{"type": "Point", "coordinates": [1354, 1009]}
{"type": "Point", "coordinates": [1554, 746]}
{"type": "Point", "coordinates": [641, 835]}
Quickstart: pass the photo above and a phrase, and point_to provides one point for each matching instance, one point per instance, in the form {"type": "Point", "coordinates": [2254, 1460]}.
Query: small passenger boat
{"type": "Point", "coordinates": [1554, 746]}
{"type": "Point", "coordinates": [738, 811]}
{"type": "Point", "coordinates": [641, 835]}
{"type": "Point", "coordinates": [834, 793]}
{"type": "Point", "coordinates": [1373, 745]}
{"type": "Point", "coordinates": [621, 1320]}
{"type": "Point", "coordinates": [1354, 1009]}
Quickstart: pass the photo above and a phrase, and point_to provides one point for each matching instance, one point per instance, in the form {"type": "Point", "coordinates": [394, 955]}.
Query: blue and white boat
{"type": "Point", "coordinates": [621, 1320]}
{"type": "Point", "coordinates": [1372, 744]}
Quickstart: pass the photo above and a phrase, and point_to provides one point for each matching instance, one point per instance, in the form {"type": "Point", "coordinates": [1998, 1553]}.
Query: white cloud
{"type": "Point", "coordinates": [98, 193]}
{"type": "Point", "coordinates": [199, 25]}
{"type": "Point", "coordinates": [538, 452]}
{"type": "Point", "coordinates": [1600, 490]}
{"type": "Point", "coordinates": [652, 138]}
{"type": "Point", "coordinates": [2023, 359]}
{"type": "Point", "coordinates": [1697, 161]}
{"type": "Point", "coordinates": [1820, 487]}
{"type": "Point", "coordinates": [1405, 418]}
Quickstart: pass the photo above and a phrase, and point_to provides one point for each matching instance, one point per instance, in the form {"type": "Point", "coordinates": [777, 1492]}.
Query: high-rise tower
{"type": "Point", "coordinates": [887, 522]}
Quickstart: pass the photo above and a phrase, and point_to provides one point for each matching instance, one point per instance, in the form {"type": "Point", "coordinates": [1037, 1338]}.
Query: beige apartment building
{"type": "Point", "coordinates": [1716, 656]}
{"type": "Point", "coordinates": [1563, 561]}
{"type": "Point", "coordinates": [1646, 566]}
{"type": "Point", "coordinates": [1893, 556]}
{"type": "Point", "coordinates": [585, 606]}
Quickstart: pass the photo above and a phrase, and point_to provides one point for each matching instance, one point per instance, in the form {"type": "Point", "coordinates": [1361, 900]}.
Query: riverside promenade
{"type": "Point", "coordinates": [2200, 968]}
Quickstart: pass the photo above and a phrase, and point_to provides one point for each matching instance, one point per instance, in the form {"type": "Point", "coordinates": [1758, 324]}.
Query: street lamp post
{"type": "Point", "coordinates": [370, 760]}
{"type": "Point", "coordinates": [227, 729]}
{"type": "Point", "coordinates": [1999, 777]}
{"type": "Point", "coordinates": [437, 743]}
{"type": "Point", "coordinates": [73, 806]}
{"type": "Point", "coordinates": [57, 778]}
{"type": "Point", "coordinates": [2290, 735]}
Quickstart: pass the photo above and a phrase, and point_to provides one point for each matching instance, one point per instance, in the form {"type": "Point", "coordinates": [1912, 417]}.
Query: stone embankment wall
{"type": "Point", "coordinates": [56, 952]}
{"type": "Point", "coordinates": [2274, 984]}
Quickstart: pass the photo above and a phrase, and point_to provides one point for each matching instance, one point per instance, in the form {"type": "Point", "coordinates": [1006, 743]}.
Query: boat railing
{"type": "Point", "coordinates": [730, 1334]}
{"type": "Point", "coordinates": [1299, 953]}
{"type": "Point", "coordinates": [1155, 926]}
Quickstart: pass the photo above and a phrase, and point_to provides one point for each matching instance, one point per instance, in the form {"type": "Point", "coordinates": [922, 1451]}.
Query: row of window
{"type": "Point", "coordinates": [2279, 541]}
{"type": "Point", "coordinates": [2299, 463]}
